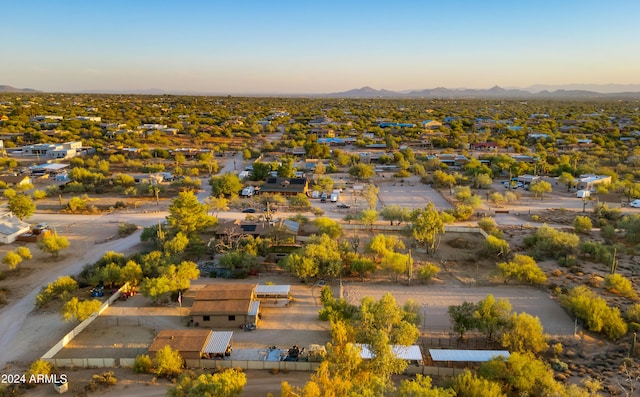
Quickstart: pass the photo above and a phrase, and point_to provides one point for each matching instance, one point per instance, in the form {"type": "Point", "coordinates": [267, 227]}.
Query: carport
{"type": "Point", "coordinates": [218, 344]}
{"type": "Point", "coordinates": [408, 353]}
{"type": "Point", "coordinates": [273, 295]}
{"type": "Point", "coordinates": [452, 356]}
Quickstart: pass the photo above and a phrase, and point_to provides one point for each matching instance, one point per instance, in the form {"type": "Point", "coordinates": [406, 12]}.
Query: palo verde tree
{"type": "Point", "coordinates": [492, 316]}
{"type": "Point", "coordinates": [52, 243]}
{"type": "Point", "coordinates": [79, 310]}
{"type": "Point", "coordinates": [427, 225]}
{"type": "Point", "coordinates": [21, 206]}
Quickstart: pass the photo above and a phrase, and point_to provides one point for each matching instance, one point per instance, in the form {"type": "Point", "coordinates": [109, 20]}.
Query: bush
{"type": "Point", "coordinates": [126, 229]}
{"type": "Point", "coordinates": [496, 246]}
{"type": "Point", "coordinates": [619, 285]}
{"type": "Point", "coordinates": [633, 313]}
{"type": "Point", "coordinates": [593, 310]}
{"type": "Point", "coordinates": [549, 242]}
{"type": "Point", "coordinates": [582, 224]}
{"type": "Point", "coordinates": [142, 364]}
{"type": "Point", "coordinates": [596, 251]}
{"type": "Point", "coordinates": [39, 367]}
{"type": "Point", "coordinates": [427, 271]}
{"type": "Point", "coordinates": [487, 224]}
{"type": "Point", "coordinates": [462, 212]}
{"type": "Point", "coordinates": [39, 194]}
{"type": "Point", "coordinates": [522, 268]}
{"type": "Point", "coordinates": [168, 362]}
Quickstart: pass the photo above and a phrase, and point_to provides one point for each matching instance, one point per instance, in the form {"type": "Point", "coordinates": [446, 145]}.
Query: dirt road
{"type": "Point", "coordinates": [15, 338]}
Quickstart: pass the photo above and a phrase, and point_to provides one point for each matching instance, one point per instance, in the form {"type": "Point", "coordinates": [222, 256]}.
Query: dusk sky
{"type": "Point", "coordinates": [276, 47]}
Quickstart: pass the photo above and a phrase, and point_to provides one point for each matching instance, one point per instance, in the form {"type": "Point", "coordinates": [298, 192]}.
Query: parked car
{"type": "Point", "coordinates": [635, 203]}
{"type": "Point", "coordinates": [343, 205]}
{"type": "Point", "coordinates": [249, 211]}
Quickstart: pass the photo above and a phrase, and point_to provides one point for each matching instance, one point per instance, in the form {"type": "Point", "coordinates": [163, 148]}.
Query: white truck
{"type": "Point", "coordinates": [248, 191]}
{"type": "Point", "coordinates": [583, 193]}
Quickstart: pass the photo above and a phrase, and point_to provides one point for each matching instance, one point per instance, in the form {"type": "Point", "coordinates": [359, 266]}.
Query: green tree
{"type": "Point", "coordinates": [524, 334]}
{"type": "Point", "coordinates": [381, 245]}
{"type": "Point", "coordinates": [79, 310]}
{"type": "Point", "coordinates": [228, 184]}
{"type": "Point", "coordinates": [368, 217]}
{"type": "Point", "coordinates": [53, 244]}
{"type": "Point", "coordinates": [370, 194]}
{"type": "Point", "coordinates": [539, 188]}
{"type": "Point", "coordinates": [188, 215]}
{"type": "Point", "coordinates": [428, 224]}
{"type": "Point", "coordinates": [328, 226]}
{"type": "Point", "coordinates": [154, 288]}
{"type": "Point", "coordinates": [21, 206]}
{"type": "Point", "coordinates": [567, 179]}
{"type": "Point", "coordinates": [362, 171]}
{"type": "Point", "coordinates": [492, 315]}
{"type": "Point", "coordinates": [228, 383]}
{"type": "Point", "coordinates": [522, 268]}
{"type": "Point", "coordinates": [39, 367]}
{"type": "Point", "coordinates": [395, 213]}
{"type": "Point", "coordinates": [442, 179]}
{"type": "Point", "coordinates": [260, 171]}
{"type": "Point", "coordinates": [462, 318]}
{"type": "Point", "coordinates": [168, 362]}
{"type": "Point", "coordinates": [217, 204]}
{"type": "Point", "coordinates": [176, 245]}
{"type": "Point", "coordinates": [131, 273]}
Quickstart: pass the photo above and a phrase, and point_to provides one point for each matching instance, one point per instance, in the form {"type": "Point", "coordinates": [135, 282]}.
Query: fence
{"type": "Point", "coordinates": [80, 327]}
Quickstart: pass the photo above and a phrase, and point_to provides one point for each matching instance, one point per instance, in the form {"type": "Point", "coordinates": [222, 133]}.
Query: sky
{"type": "Point", "coordinates": [306, 47]}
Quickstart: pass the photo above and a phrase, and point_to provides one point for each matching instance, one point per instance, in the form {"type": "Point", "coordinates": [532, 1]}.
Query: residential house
{"type": "Point", "coordinates": [431, 124]}
{"type": "Point", "coordinates": [56, 151]}
{"type": "Point", "coordinates": [285, 186]}
{"type": "Point", "coordinates": [225, 306]}
{"type": "Point", "coordinates": [15, 180]}
{"type": "Point", "coordinates": [589, 181]}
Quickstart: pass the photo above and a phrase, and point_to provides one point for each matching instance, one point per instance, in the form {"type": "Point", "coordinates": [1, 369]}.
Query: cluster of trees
{"type": "Point", "coordinates": [169, 363]}
{"type": "Point", "coordinates": [63, 289]}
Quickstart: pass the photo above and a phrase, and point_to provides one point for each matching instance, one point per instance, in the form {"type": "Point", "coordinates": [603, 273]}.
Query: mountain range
{"type": "Point", "coordinates": [571, 91]}
{"type": "Point", "coordinates": [8, 88]}
{"type": "Point", "coordinates": [494, 92]}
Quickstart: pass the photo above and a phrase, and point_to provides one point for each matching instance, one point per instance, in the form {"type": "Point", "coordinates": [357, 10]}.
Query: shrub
{"type": "Point", "coordinates": [582, 224]}
{"type": "Point", "coordinates": [596, 251]}
{"type": "Point", "coordinates": [487, 224]}
{"type": "Point", "coordinates": [593, 310]}
{"type": "Point", "coordinates": [522, 268]}
{"type": "Point", "coordinates": [619, 285]}
{"type": "Point", "coordinates": [427, 271]}
{"type": "Point", "coordinates": [39, 367]}
{"type": "Point", "coordinates": [168, 362]}
{"type": "Point", "coordinates": [549, 242]}
{"type": "Point", "coordinates": [39, 194]}
{"type": "Point", "coordinates": [142, 364]}
{"type": "Point", "coordinates": [633, 313]}
{"type": "Point", "coordinates": [462, 212]}
{"type": "Point", "coordinates": [496, 246]}
{"type": "Point", "coordinates": [126, 229]}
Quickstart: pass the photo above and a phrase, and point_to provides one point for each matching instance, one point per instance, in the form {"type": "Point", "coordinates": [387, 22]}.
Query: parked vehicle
{"type": "Point", "coordinates": [583, 193]}
{"type": "Point", "coordinates": [334, 197]}
{"type": "Point", "coordinates": [343, 205]}
{"type": "Point", "coordinates": [249, 211]}
{"type": "Point", "coordinates": [635, 203]}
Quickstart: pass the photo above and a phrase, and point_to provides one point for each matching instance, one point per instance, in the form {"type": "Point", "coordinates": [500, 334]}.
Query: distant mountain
{"type": "Point", "coordinates": [494, 92]}
{"type": "Point", "coordinates": [8, 88]}
{"type": "Point", "coordinates": [366, 92]}
{"type": "Point", "coordinates": [599, 88]}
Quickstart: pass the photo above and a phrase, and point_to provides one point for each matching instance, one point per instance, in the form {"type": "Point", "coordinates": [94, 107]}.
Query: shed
{"type": "Point", "coordinates": [11, 227]}
{"type": "Point", "coordinates": [190, 343]}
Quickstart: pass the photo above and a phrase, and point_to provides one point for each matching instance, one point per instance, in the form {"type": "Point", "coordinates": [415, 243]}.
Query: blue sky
{"type": "Point", "coordinates": [236, 47]}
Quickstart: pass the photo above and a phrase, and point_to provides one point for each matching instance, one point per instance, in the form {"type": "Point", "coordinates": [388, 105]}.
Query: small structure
{"type": "Point", "coordinates": [450, 357]}
{"type": "Point", "coordinates": [11, 227]}
{"type": "Point", "coordinates": [189, 342]}
{"type": "Point", "coordinates": [15, 180]}
{"type": "Point", "coordinates": [273, 295]}
{"type": "Point", "coordinates": [226, 306]}
{"type": "Point", "coordinates": [408, 353]}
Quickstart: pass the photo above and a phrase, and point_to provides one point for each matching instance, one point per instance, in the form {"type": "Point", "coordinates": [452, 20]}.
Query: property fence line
{"type": "Point", "coordinates": [302, 366]}
{"type": "Point", "coordinates": [80, 327]}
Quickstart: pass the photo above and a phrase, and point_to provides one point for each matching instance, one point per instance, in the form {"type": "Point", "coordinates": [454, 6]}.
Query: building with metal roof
{"type": "Point", "coordinates": [409, 353]}
{"type": "Point", "coordinates": [469, 356]}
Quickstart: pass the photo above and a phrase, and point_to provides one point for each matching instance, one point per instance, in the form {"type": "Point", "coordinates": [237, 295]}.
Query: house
{"type": "Point", "coordinates": [237, 228]}
{"type": "Point", "coordinates": [95, 119]}
{"type": "Point", "coordinates": [483, 145]}
{"type": "Point", "coordinates": [15, 180]}
{"type": "Point", "coordinates": [589, 181]}
{"type": "Point", "coordinates": [193, 343]}
{"type": "Point", "coordinates": [11, 227]}
{"type": "Point", "coordinates": [225, 306]}
{"type": "Point", "coordinates": [56, 151]}
{"type": "Point", "coordinates": [431, 124]}
{"type": "Point", "coordinates": [285, 186]}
